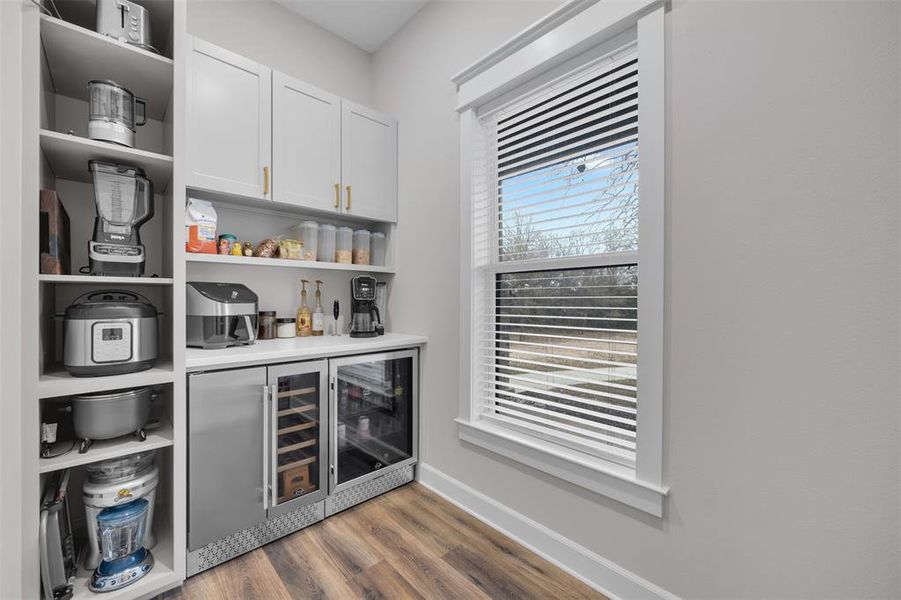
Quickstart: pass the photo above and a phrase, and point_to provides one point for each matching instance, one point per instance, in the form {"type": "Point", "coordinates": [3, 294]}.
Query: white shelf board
{"type": "Point", "coordinates": [104, 280]}
{"type": "Point", "coordinates": [299, 348]}
{"type": "Point", "coordinates": [106, 449]}
{"type": "Point", "coordinates": [77, 55]}
{"type": "Point", "coordinates": [59, 383]}
{"type": "Point", "coordinates": [68, 156]}
{"type": "Point", "coordinates": [227, 259]}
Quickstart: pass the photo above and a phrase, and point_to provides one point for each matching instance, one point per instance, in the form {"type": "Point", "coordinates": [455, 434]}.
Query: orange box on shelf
{"type": "Point", "coordinates": [296, 481]}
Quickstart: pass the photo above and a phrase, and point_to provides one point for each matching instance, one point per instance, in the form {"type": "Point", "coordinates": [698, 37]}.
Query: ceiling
{"type": "Point", "coordinates": [365, 23]}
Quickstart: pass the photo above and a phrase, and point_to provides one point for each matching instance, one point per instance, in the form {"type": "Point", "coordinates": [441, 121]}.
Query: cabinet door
{"type": "Point", "coordinates": [229, 122]}
{"type": "Point", "coordinates": [226, 453]}
{"type": "Point", "coordinates": [306, 145]}
{"type": "Point", "coordinates": [298, 426]}
{"type": "Point", "coordinates": [368, 162]}
{"type": "Point", "coordinates": [374, 404]}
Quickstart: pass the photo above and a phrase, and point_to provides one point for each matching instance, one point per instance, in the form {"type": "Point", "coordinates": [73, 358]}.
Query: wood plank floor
{"type": "Point", "coordinates": [408, 543]}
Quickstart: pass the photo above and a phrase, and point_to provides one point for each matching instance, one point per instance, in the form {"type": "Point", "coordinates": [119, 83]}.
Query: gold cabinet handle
{"type": "Point", "coordinates": [337, 196]}
{"type": "Point", "coordinates": [265, 180]}
{"type": "Point", "coordinates": [348, 198]}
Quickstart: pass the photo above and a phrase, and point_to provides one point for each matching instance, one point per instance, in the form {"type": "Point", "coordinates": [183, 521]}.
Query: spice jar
{"type": "Point", "coordinates": [326, 243]}
{"type": "Point", "coordinates": [377, 249]}
{"type": "Point", "coordinates": [266, 327]}
{"type": "Point", "coordinates": [344, 245]}
{"type": "Point", "coordinates": [361, 247]}
{"type": "Point", "coordinates": [286, 327]}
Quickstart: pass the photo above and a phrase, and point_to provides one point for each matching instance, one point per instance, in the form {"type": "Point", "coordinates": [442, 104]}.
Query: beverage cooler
{"type": "Point", "coordinates": [273, 449]}
{"type": "Point", "coordinates": [374, 416]}
{"type": "Point", "coordinates": [257, 446]}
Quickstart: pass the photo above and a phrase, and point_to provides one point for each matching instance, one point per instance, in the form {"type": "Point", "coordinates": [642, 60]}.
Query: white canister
{"type": "Point", "coordinates": [286, 327]}
{"type": "Point", "coordinates": [377, 249]}
{"type": "Point", "coordinates": [361, 247]}
{"type": "Point", "coordinates": [326, 243]}
{"type": "Point", "coordinates": [344, 245]}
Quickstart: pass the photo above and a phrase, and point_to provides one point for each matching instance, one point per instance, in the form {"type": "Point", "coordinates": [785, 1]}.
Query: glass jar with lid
{"type": "Point", "coordinates": [361, 247]}
{"type": "Point", "coordinates": [309, 236]}
{"type": "Point", "coordinates": [377, 249]}
{"type": "Point", "coordinates": [344, 245]}
{"type": "Point", "coordinates": [266, 327]}
{"type": "Point", "coordinates": [326, 251]}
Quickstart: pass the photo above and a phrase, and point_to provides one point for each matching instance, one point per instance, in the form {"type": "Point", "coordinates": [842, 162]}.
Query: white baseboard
{"type": "Point", "coordinates": [605, 576]}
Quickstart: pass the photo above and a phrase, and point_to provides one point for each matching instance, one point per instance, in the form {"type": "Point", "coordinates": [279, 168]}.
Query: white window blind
{"type": "Point", "coordinates": [555, 232]}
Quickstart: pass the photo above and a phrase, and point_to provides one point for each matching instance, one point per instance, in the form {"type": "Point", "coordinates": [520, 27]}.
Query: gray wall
{"type": "Point", "coordinates": [782, 419]}
{"type": "Point", "coordinates": [274, 36]}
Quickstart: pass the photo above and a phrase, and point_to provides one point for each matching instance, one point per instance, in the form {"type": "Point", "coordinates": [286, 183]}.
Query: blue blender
{"type": "Point", "coordinates": [120, 530]}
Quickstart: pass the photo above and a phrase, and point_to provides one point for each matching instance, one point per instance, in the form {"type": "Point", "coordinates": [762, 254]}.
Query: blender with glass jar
{"type": "Point", "coordinates": [121, 533]}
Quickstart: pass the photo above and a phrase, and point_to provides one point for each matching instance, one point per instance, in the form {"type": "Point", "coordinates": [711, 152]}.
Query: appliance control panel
{"type": "Point", "coordinates": [111, 342]}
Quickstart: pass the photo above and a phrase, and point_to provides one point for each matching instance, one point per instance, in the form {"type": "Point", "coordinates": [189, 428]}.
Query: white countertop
{"type": "Point", "coordinates": [298, 348]}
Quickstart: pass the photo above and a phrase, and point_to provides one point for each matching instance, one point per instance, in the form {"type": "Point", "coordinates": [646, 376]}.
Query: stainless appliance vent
{"type": "Point", "coordinates": [369, 489]}
{"type": "Point", "coordinates": [251, 538]}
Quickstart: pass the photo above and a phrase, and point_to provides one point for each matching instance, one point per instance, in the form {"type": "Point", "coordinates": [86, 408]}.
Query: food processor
{"type": "Point", "coordinates": [121, 533]}
{"type": "Point", "coordinates": [111, 113]}
{"type": "Point", "coordinates": [123, 199]}
{"type": "Point", "coordinates": [114, 483]}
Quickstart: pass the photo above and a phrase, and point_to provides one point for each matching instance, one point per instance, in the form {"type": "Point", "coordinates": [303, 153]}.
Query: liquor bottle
{"type": "Point", "coordinates": [318, 327]}
{"type": "Point", "coordinates": [304, 316]}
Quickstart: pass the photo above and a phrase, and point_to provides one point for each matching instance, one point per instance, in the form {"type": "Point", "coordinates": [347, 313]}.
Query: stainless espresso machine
{"type": "Point", "coordinates": [123, 198]}
{"type": "Point", "coordinates": [365, 320]}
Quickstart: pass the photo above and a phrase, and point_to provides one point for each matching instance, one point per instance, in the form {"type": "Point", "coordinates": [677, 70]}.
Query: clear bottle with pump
{"type": "Point", "coordinates": [304, 316]}
{"type": "Point", "coordinates": [318, 315]}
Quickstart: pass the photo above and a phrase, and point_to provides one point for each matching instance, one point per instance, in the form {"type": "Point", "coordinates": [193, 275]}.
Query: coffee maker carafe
{"type": "Point", "coordinates": [365, 320]}
{"type": "Point", "coordinates": [123, 198]}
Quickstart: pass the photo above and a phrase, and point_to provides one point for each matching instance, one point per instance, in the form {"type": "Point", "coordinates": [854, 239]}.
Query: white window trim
{"type": "Point", "coordinates": [573, 29]}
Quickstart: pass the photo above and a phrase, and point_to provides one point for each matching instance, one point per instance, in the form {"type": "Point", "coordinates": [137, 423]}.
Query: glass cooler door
{"type": "Point", "coordinates": [374, 408]}
{"type": "Point", "coordinates": [298, 421]}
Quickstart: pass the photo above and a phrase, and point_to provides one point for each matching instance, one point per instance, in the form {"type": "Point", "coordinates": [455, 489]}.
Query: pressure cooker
{"type": "Point", "coordinates": [110, 332]}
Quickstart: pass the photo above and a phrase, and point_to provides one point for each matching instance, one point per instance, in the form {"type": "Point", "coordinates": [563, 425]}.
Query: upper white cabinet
{"type": "Point", "coordinates": [258, 133]}
{"type": "Point", "coordinates": [229, 116]}
{"type": "Point", "coordinates": [306, 145]}
{"type": "Point", "coordinates": [368, 162]}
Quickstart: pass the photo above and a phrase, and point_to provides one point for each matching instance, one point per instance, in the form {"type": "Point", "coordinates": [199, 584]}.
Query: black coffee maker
{"type": "Point", "coordinates": [365, 320]}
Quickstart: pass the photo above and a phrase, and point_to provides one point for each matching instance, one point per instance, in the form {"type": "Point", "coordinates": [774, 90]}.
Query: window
{"type": "Point", "coordinates": [558, 209]}
{"type": "Point", "coordinates": [564, 260]}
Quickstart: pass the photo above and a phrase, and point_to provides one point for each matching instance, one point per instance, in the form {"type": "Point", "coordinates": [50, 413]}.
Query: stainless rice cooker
{"type": "Point", "coordinates": [109, 415]}
{"type": "Point", "coordinates": [110, 332]}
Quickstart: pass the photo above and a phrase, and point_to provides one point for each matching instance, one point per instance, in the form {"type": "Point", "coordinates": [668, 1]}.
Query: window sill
{"type": "Point", "coordinates": [602, 477]}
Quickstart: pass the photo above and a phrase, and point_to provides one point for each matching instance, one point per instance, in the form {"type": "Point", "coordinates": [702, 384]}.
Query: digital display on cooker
{"type": "Point", "coordinates": [112, 335]}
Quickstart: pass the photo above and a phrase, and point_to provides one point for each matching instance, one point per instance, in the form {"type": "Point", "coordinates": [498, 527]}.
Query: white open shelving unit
{"type": "Point", "coordinates": [56, 382]}
{"type": "Point", "coordinates": [161, 437]}
{"type": "Point", "coordinates": [222, 259]}
{"type": "Point", "coordinates": [60, 56]}
{"type": "Point", "coordinates": [68, 157]}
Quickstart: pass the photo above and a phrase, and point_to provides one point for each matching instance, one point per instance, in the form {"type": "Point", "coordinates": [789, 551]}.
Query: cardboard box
{"type": "Point", "coordinates": [54, 235]}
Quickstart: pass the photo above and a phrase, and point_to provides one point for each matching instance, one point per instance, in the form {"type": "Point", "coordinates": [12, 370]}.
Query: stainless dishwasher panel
{"type": "Point", "coordinates": [226, 411]}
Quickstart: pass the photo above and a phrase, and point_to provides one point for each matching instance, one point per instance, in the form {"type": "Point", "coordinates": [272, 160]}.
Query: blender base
{"type": "Point", "coordinates": [117, 574]}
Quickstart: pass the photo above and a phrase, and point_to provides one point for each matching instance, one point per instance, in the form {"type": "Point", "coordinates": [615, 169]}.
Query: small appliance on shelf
{"type": "Point", "coordinates": [123, 199]}
{"type": "Point", "coordinates": [117, 483]}
{"type": "Point", "coordinates": [58, 563]}
{"type": "Point", "coordinates": [126, 21]}
{"type": "Point", "coordinates": [110, 332]}
{"type": "Point", "coordinates": [365, 320]}
{"type": "Point", "coordinates": [220, 315]}
{"type": "Point", "coordinates": [108, 415]}
{"type": "Point", "coordinates": [111, 113]}
{"type": "Point", "coordinates": [125, 559]}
